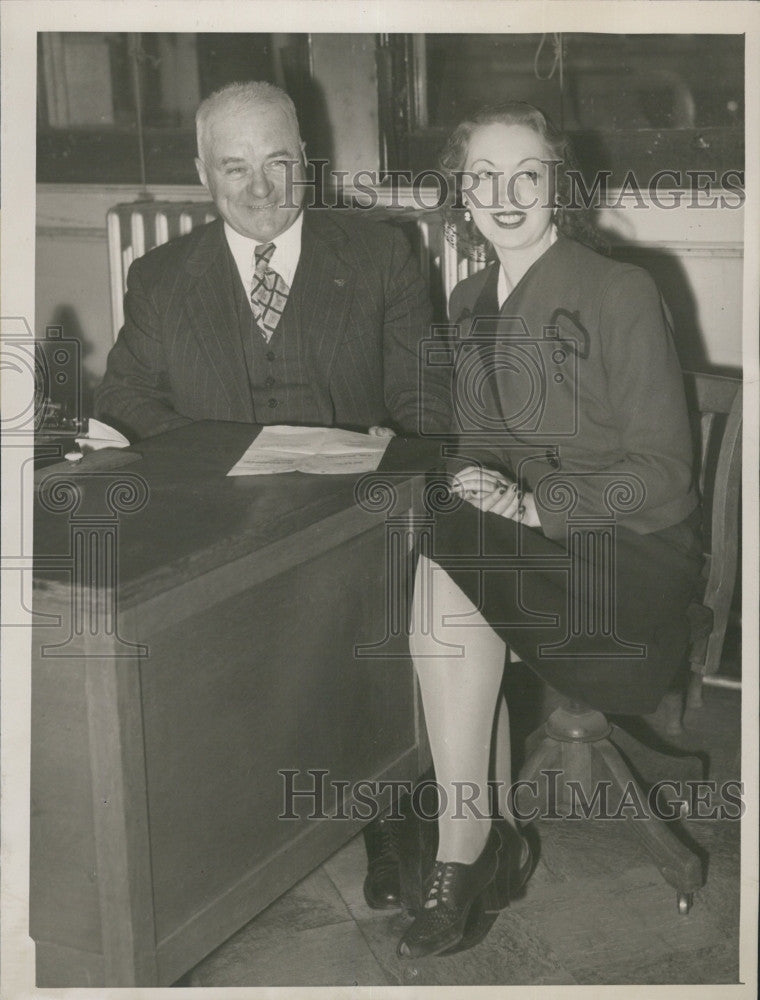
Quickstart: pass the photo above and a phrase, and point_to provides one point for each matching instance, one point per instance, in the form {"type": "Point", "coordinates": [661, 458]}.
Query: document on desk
{"type": "Point", "coordinates": [319, 450]}
{"type": "Point", "coordinates": [99, 436]}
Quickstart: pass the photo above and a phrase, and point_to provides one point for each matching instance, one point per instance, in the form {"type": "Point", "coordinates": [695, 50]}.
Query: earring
{"type": "Point", "coordinates": [467, 215]}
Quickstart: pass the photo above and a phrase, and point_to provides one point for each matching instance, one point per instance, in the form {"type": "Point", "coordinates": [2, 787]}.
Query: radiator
{"type": "Point", "coordinates": [135, 228]}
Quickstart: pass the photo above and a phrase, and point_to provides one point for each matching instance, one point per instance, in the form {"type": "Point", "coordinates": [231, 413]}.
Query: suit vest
{"type": "Point", "coordinates": [278, 371]}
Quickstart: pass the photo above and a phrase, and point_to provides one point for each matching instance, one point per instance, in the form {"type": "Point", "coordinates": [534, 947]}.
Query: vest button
{"type": "Point", "coordinates": [271, 356]}
{"type": "Point", "coordinates": [272, 403]}
{"type": "Point", "coordinates": [269, 380]}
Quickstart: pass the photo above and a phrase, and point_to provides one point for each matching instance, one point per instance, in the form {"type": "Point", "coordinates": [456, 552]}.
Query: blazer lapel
{"type": "Point", "coordinates": [211, 307]}
{"type": "Point", "coordinates": [494, 350]}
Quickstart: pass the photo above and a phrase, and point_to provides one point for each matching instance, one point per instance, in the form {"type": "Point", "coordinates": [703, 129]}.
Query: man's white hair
{"type": "Point", "coordinates": [234, 98]}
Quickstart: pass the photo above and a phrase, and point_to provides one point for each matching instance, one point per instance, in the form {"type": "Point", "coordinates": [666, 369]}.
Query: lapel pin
{"type": "Point", "coordinates": [340, 282]}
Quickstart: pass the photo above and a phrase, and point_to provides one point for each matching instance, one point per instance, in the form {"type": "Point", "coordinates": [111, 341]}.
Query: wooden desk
{"type": "Point", "coordinates": [155, 784]}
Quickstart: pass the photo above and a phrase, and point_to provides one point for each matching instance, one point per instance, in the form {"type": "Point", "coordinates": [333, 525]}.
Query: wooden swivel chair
{"type": "Point", "coordinates": [579, 744]}
{"type": "Point", "coordinates": [717, 404]}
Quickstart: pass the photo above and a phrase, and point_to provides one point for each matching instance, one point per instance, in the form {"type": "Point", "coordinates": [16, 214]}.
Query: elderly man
{"type": "Point", "coordinates": [273, 314]}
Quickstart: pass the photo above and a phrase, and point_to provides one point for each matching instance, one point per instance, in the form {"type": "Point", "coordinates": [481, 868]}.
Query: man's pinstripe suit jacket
{"type": "Point", "coordinates": [363, 310]}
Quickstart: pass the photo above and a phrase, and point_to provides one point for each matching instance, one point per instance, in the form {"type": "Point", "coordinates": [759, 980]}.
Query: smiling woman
{"type": "Point", "coordinates": [515, 172]}
{"type": "Point", "coordinates": [570, 417]}
{"type": "Point", "coordinates": [511, 160]}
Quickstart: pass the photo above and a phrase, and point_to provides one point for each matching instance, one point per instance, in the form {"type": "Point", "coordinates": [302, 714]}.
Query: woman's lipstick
{"type": "Point", "coordinates": [508, 220]}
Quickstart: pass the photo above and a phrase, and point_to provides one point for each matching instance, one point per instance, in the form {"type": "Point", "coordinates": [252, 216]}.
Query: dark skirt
{"type": "Point", "coordinates": [602, 619]}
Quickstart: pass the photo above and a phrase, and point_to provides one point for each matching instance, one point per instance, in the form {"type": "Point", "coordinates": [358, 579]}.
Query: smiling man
{"type": "Point", "coordinates": [249, 152]}
{"type": "Point", "coordinates": [273, 313]}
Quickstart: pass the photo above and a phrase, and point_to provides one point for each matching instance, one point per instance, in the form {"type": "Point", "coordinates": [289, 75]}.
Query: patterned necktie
{"type": "Point", "coordinates": [269, 292]}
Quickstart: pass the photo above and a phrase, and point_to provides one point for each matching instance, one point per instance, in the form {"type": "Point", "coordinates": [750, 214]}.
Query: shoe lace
{"type": "Point", "coordinates": [387, 848]}
{"type": "Point", "coordinates": [440, 886]}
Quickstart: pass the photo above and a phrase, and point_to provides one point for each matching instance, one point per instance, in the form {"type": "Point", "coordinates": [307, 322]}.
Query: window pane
{"type": "Point", "coordinates": [100, 93]}
{"type": "Point", "coordinates": [654, 81]}
{"type": "Point", "coordinates": [608, 81]}
{"type": "Point", "coordinates": [640, 103]}
{"type": "Point", "coordinates": [465, 72]}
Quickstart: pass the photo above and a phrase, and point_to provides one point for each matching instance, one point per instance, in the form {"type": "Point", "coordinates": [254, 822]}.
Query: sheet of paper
{"type": "Point", "coordinates": [100, 435]}
{"type": "Point", "coordinates": [318, 450]}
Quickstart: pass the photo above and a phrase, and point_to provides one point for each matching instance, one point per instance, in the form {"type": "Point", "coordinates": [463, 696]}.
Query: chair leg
{"type": "Point", "coordinates": [669, 714]}
{"type": "Point", "coordinates": [694, 692]}
{"type": "Point", "coordinates": [676, 863]}
{"type": "Point", "coordinates": [543, 757]}
{"type": "Point", "coordinates": [575, 746]}
{"type": "Point", "coordinates": [651, 755]}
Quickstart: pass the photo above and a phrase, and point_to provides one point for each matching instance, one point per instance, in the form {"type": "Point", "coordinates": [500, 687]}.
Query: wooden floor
{"type": "Point", "coordinates": [596, 911]}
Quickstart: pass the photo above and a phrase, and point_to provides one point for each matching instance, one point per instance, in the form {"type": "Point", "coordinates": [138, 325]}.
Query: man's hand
{"type": "Point", "coordinates": [492, 492]}
{"type": "Point", "coordinates": [382, 432]}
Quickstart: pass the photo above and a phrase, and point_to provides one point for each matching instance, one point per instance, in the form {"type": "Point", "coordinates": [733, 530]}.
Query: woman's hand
{"type": "Point", "coordinates": [474, 480]}
{"type": "Point", "coordinates": [381, 432]}
{"type": "Point", "coordinates": [494, 493]}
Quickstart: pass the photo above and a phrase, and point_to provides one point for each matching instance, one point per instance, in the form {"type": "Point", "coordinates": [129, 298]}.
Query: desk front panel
{"type": "Point", "coordinates": [266, 681]}
{"type": "Point", "coordinates": [156, 793]}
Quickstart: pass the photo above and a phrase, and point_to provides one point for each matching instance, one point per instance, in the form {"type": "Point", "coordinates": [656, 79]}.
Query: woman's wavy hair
{"type": "Point", "coordinates": [570, 219]}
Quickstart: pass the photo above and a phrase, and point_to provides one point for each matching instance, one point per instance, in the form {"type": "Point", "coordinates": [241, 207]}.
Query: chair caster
{"type": "Point", "coordinates": [685, 899]}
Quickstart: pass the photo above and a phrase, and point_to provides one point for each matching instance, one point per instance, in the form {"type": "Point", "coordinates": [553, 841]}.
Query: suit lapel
{"type": "Point", "coordinates": [211, 308]}
{"type": "Point", "coordinates": [321, 296]}
{"type": "Point", "coordinates": [323, 290]}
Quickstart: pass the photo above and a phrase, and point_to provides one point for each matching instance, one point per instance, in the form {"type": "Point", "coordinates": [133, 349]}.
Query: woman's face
{"type": "Point", "coordinates": [512, 194]}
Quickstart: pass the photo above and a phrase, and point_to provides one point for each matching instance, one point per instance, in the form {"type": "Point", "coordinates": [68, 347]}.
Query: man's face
{"type": "Point", "coordinates": [247, 163]}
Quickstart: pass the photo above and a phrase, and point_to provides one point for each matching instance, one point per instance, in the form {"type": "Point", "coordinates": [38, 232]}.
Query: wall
{"type": "Point", "coordinates": [72, 279]}
{"type": "Point", "coordinates": [345, 70]}
{"type": "Point", "coordinates": [695, 253]}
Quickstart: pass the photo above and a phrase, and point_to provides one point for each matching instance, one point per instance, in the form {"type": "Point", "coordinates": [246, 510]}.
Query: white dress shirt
{"type": "Point", "coordinates": [287, 251]}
